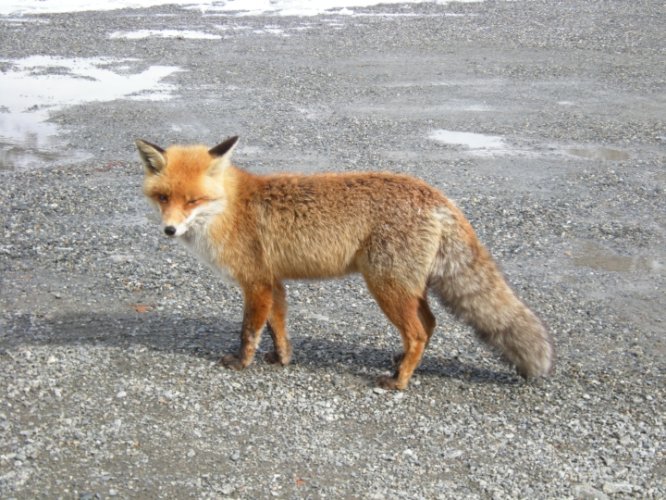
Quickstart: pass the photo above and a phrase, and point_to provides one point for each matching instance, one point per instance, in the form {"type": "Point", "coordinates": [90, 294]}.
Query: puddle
{"type": "Point", "coordinates": [596, 257]}
{"type": "Point", "coordinates": [236, 7]}
{"type": "Point", "coordinates": [479, 144]}
{"type": "Point", "coordinates": [24, 20]}
{"type": "Point", "coordinates": [599, 154]}
{"type": "Point", "coordinates": [300, 8]}
{"type": "Point", "coordinates": [494, 145]}
{"type": "Point", "coordinates": [271, 30]}
{"type": "Point", "coordinates": [177, 34]}
{"type": "Point", "coordinates": [32, 88]}
{"type": "Point", "coordinates": [468, 139]}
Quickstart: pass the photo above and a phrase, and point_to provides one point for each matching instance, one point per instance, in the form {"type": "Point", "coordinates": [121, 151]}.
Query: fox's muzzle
{"type": "Point", "coordinates": [170, 230]}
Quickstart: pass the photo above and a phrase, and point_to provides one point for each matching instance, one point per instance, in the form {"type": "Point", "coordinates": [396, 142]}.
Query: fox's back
{"type": "Point", "coordinates": [326, 225]}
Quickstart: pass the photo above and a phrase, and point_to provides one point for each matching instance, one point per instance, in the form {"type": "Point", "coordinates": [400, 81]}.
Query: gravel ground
{"type": "Point", "coordinates": [109, 333]}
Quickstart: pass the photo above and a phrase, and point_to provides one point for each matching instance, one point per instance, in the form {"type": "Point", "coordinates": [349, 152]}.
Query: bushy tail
{"type": "Point", "coordinates": [470, 285]}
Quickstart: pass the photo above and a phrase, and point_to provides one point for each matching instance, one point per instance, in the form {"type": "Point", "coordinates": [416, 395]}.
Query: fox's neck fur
{"type": "Point", "coordinates": [198, 238]}
{"type": "Point", "coordinates": [198, 241]}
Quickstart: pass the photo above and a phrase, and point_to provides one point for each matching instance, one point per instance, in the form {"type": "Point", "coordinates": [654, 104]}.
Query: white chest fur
{"type": "Point", "coordinates": [198, 241]}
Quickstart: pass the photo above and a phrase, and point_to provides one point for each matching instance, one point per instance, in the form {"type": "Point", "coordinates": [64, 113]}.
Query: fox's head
{"type": "Point", "coordinates": [186, 183]}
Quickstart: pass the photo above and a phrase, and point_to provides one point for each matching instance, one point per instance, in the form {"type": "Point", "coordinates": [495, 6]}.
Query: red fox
{"type": "Point", "coordinates": [404, 237]}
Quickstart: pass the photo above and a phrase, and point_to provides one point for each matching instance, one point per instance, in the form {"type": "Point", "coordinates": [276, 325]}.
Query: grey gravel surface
{"type": "Point", "coordinates": [109, 333]}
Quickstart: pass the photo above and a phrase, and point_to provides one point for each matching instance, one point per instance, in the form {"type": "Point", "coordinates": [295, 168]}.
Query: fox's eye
{"type": "Point", "coordinates": [194, 201]}
{"type": "Point", "coordinates": [162, 198]}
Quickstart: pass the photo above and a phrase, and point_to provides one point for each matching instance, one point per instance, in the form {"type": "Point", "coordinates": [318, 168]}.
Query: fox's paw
{"type": "Point", "coordinates": [389, 383]}
{"type": "Point", "coordinates": [275, 358]}
{"type": "Point", "coordinates": [231, 361]}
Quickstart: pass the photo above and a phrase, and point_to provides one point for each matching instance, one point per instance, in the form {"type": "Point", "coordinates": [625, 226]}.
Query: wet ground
{"type": "Point", "coordinates": [544, 121]}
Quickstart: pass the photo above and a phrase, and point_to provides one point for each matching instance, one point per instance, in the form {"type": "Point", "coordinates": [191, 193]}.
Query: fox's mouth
{"type": "Point", "coordinates": [197, 219]}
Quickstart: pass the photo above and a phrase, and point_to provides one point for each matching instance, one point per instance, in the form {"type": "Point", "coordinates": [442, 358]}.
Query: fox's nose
{"type": "Point", "coordinates": [170, 230]}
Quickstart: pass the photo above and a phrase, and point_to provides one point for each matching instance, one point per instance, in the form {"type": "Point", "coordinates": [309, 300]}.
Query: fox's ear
{"type": "Point", "coordinates": [152, 156]}
{"type": "Point", "coordinates": [225, 148]}
{"type": "Point", "coordinates": [221, 155]}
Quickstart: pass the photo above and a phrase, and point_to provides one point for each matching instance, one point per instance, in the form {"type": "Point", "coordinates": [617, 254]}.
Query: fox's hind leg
{"type": "Point", "coordinates": [281, 353]}
{"type": "Point", "coordinates": [402, 308]}
{"type": "Point", "coordinates": [426, 316]}
{"type": "Point", "coordinates": [258, 304]}
{"type": "Point", "coordinates": [427, 320]}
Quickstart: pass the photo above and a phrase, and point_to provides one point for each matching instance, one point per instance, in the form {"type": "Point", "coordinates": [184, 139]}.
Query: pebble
{"type": "Point", "coordinates": [588, 492]}
{"type": "Point", "coordinates": [227, 489]}
{"type": "Point", "coordinates": [616, 488]}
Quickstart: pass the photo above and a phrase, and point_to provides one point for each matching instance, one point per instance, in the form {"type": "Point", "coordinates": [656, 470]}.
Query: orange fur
{"type": "Point", "coordinates": [401, 234]}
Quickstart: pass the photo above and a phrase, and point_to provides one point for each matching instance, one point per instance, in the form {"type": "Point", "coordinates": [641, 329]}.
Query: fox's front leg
{"type": "Point", "coordinates": [258, 303]}
{"type": "Point", "coordinates": [281, 354]}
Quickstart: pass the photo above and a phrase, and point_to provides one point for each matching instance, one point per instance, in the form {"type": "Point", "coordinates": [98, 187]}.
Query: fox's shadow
{"type": "Point", "coordinates": [208, 338]}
